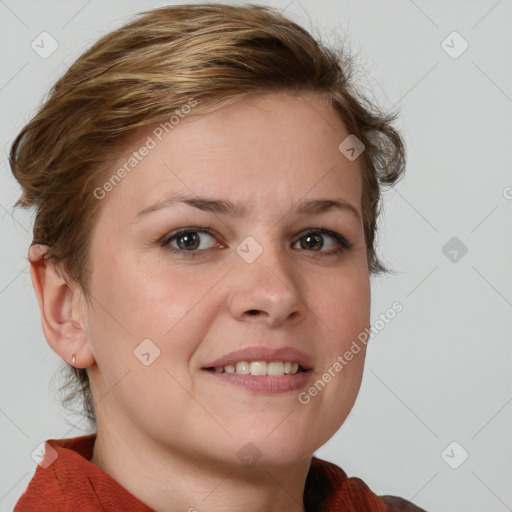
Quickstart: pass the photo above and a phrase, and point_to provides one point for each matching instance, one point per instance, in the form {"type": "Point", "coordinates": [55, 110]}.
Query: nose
{"type": "Point", "coordinates": [266, 291]}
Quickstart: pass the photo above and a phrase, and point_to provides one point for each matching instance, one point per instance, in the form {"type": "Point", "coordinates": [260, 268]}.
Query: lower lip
{"type": "Point", "coordinates": [265, 383]}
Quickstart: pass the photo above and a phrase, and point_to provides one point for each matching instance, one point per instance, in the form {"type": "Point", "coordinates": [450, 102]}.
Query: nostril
{"type": "Point", "coordinates": [253, 312]}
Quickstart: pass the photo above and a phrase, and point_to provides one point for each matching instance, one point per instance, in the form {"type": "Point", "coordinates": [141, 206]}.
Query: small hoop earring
{"type": "Point", "coordinates": [73, 359]}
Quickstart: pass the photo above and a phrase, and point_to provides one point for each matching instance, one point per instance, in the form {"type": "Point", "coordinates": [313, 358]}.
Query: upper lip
{"type": "Point", "coordinates": [259, 353]}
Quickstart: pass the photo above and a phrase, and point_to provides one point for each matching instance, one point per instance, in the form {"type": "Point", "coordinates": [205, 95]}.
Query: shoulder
{"type": "Point", "coordinates": [396, 504]}
{"type": "Point", "coordinates": [329, 488]}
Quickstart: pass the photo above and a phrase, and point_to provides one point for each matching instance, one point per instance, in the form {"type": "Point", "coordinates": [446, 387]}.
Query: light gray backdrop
{"type": "Point", "coordinates": [437, 384]}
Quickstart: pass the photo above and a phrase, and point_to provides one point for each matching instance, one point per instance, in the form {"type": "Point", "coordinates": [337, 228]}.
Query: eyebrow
{"type": "Point", "coordinates": [224, 207]}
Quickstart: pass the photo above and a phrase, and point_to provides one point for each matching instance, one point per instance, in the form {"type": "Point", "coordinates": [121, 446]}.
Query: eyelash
{"type": "Point", "coordinates": [343, 243]}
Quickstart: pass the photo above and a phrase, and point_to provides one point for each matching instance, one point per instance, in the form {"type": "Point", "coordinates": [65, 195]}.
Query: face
{"type": "Point", "coordinates": [250, 262]}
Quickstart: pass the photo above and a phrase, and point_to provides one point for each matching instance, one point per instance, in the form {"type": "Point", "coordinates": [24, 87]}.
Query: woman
{"type": "Point", "coordinates": [207, 186]}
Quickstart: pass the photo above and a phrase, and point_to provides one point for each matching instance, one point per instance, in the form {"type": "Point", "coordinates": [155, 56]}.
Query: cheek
{"type": "Point", "coordinates": [141, 297]}
{"type": "Point", "coordinates": [343, 309]}
{"type": "Point", "coordinates": [172, 308]}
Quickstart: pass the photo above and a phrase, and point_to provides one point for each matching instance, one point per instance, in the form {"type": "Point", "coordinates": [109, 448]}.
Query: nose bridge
{"type": "Point", "coordinates": [265, 284]}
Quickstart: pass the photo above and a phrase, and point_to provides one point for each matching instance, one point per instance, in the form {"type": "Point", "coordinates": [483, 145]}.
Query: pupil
{"type": "Point", "coordinates": [312, 240]}
{"type": "Point", "coordinates": [189, 240]}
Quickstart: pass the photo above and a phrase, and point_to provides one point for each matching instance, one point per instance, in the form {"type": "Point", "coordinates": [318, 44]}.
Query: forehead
{"type": "Point", "coordinates": [274, 148]}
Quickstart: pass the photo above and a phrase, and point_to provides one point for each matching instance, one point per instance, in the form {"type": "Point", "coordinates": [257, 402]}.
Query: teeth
{"type": "Point", "coordinates": [274, 368]}
{"type": "Point", "coordinates": [258, 368]}
{"type": "Point", "coordinates": [242, 367]}
{"type": "Point", "coordinates": [229, 368]}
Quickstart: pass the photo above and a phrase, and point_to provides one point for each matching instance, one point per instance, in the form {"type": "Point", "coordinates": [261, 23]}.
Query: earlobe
{"type": "Point", "coordinates": [63, 315]}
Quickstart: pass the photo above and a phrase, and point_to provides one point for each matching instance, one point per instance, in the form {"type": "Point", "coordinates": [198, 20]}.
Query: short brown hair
{"type": "Point", "coordinates": [138, 75]}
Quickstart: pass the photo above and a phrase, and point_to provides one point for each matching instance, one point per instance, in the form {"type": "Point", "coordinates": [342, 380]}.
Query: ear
{"type": "Point", "coordinates": [63, 310]}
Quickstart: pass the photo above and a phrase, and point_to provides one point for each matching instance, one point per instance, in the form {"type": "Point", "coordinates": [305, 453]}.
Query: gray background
{"type": "Point", "coordinates": [440, 371]}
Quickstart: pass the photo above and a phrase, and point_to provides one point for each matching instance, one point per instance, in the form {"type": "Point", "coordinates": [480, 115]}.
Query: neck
{"type": "Point", "coordinates": [169, 481]}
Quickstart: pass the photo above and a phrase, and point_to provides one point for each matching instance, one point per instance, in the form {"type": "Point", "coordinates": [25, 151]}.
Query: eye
{"type": "Point", "coordinates": [189, 240]}
{"type": "Point", "coordinates": [314, 241]}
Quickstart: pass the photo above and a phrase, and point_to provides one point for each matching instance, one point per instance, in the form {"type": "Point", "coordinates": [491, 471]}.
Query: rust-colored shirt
{"type": "Point", "coordinates": [67, 481]}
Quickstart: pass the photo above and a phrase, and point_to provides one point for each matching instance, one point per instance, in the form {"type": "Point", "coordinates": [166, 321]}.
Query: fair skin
{"type": "Point", "coordinates": [169, 432]}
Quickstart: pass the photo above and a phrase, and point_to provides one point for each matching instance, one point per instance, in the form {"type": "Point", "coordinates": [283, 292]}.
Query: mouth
{"type": "Point", "coordinates": [272, 368]}
{"type": "Point", "coordinates": [263, 370]}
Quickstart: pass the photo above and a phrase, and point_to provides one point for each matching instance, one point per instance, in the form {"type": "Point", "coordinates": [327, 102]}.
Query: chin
{"type": "Point", "coordinates": [282, 444]}
{"type": "Point", "coordinates": [269, 454]}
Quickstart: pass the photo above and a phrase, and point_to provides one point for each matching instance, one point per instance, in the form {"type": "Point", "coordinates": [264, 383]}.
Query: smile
{"type": "Point", "coordinates": [262, 369]}
{"type": "Point", "coordinates": [273, 368]}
